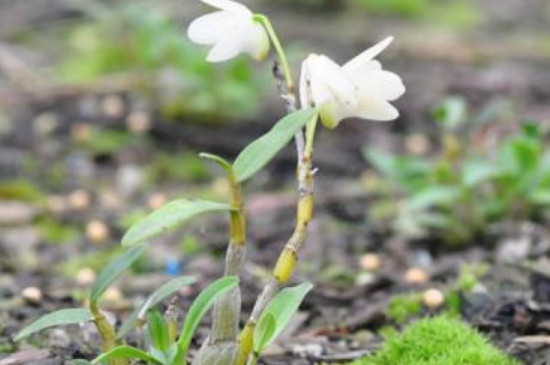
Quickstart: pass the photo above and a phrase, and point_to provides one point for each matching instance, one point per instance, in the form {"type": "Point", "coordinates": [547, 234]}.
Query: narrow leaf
{"type": "Point", "coordinates": [280, 309]}
{"type": "Point", "coordinates": [158, 296]}
{"type": "Point", "coordinates": [257, 154]}
{"type": "Point", "coordinates": [264, 332]}
{"type": "Point", "coordinates": [220, 160]}
{"type": "Point", "coordinates": [57, 318]}
{"type": "Point", "coordinates": [125, 352]}
{"type": "Point", "coordinates": [113, 271]}
{"type": "Point", "coordinates": [158, 330]}
{"type": "Point", "coordinates": [199, 308]}
{"type": "Point", "coordinates": [169, 216]}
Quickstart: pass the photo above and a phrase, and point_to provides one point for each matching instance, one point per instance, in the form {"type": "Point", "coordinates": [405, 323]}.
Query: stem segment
{"type": "Point", "coordinates": [225, 323]}
{"type": "Point", "coordinates": [106, 332]}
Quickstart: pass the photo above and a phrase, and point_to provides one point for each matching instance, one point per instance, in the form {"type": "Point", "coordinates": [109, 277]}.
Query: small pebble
{"type": "Point", "coordinates": [113, 294]}
{"type": "Point", "coordinates": [370, 262]}
{"type": "Point", "coordinates": [416, 275]}
{"type": "Point", "coordinates": [32, 294]}
{"type": "Point", "coordinates": [86, 276]}
{"type": "Point", "coordinates": [97, 231]}
{"type": "Point", "coordinates": [418, 144]}
{"type": "Point", "coordinates": [156, 201]}
{"type": "Point", "coordinates": [80, 200]}
{"type": "Point", "coordinates": [138, 122]}
{"type": "Point", "coordinates": [433, 298]}
{"type": "Point", "coordinates": [113, 106]}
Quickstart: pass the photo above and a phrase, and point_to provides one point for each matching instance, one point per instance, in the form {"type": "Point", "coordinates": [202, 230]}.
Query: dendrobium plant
{"type": "Point", "coordinates": [329, 92]}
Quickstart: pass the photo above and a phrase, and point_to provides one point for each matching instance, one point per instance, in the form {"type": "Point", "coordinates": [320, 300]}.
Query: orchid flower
{"type": "Point", "coordinates": [360, 88]}
{"type": "Point", "coordinates": [230, 31]}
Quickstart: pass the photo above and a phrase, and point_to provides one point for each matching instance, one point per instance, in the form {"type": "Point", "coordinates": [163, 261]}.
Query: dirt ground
{"type": "Point", "coordinates": [42, 131]}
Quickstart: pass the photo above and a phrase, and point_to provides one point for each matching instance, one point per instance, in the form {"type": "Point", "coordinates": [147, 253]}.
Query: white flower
{"type": "Point", "coordinates": [231, 31]}
{"type": "Point", "coordinates": [360, 88]}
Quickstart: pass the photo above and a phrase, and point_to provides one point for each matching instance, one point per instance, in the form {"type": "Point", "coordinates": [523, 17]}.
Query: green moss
{"type": "Point", "coordinates": [436, 341]}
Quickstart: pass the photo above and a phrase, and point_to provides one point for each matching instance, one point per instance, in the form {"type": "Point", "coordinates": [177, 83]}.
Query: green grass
{"type": "Point", "coordinates": [437, 341]}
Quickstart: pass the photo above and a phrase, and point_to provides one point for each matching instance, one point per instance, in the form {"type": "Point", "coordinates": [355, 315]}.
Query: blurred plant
{"type": "Point", "coordinates": [329, 93]}
{"type": "Point", "coordinates": [404, 306]}
{"type": "Point", "coordinates": [454, 13]}
{"type": "Point", "coordinates": [144, 44]}
{"type": "Point", "coordinates": [21, 189]}
{"type": "Point", "coordinates": [456, 194]}
{"type": "Point", "coordinates": [438, 340]}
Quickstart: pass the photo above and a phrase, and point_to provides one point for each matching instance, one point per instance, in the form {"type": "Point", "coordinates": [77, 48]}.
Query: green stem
{"type": "Point", "coordinates": [263, 20]}
{"type": "Point", "coordinates": [106, 332]}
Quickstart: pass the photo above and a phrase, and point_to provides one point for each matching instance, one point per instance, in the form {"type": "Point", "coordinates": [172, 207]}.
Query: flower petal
{"type": "Point", "coordinates": [376, 108]}
{"type": "Point", "coordinates": [230, 6]}
{"type": "Point", "coordinates": [367, 56]}
{"type": "Point", "coordinates": [210, 28]}
{"type": "Point", "coordinates": [226, 48]}
{"type": "Point", "coordinates": [305, 85]}
{"type": "Point", "coordinates": [254, 40]}
{"type": "Point", "coordinates": [375, 81]}
{"type": "Point", "coordinates": [328, 80]}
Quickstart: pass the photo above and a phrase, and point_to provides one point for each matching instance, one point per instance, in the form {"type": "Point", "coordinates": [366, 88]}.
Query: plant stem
{"type": "Point", "coordinates": [225, 323]}
{"type": "Point", "coordinates": [106, 332]}
{"type": "Point", "coordinates": [263, 20]}
{"type": "Point", "coordinates": [289, 256]}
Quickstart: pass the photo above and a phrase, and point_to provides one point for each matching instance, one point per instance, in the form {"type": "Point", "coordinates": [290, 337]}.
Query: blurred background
{"type": "Point", "coordinates": [104, 106]}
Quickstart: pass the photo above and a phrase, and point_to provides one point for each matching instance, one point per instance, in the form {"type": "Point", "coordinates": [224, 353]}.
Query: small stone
{"type": "Point", "coordinates": [32, 294]}
{"type": "Point", "coordinates": [45, 123]}
{"type": "Point", "coordinates": [370, 262]}
{"type": "Point", "coordinates": [433, 298]}
{"type": "Point", "coordinates": [97, 231]}
{"type": "Point", "coordinates": [129, 180]}
{"type": "Point", "coordinates": [16, 213]}
{"type": "Point", "coordinates": [81, 132]}
{"type": "Point", "coordinates": [80, 200]}
{"type": "Point", "coordinates": [113, 106]}
{"type": "Point", "coordinates": [138, 122]}
{"type": "Point", "coordinates": [418, 144]}
{"type": "Point", "coordinates": [416, 275]}
{"type": "Point", "coordinates": [86, 276]}
{"type": "Point", "coordinates": [113, 294]}
{"type": "Point", "coordinates": [157, 200]}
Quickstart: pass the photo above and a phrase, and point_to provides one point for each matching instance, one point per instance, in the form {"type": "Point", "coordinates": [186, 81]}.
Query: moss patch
{"type": "Point", "coordinates": [436, 341]}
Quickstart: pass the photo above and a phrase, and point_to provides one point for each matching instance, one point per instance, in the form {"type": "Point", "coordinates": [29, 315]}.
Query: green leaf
{"type": "Point", "coordinates": [257, 154]}
{"type": "Point", "coordinates": [158, 330]}
{"type": "Point", "coordinates": [169, 216]}
{"type": "Point", "coordinates": [158, 296]}
{"type": "Point", "coordinates": [433, 196]}
{"type": "Point", "coordinates": [220, 160]}
{"type": "Point", "coordinates": [125, 352]}
{"type": "Point", "coordinates": [113, 270]}
{"type": "Point", "coordinates": [198, 309]}
{"type": "Point", "coordinates": [57, 318]}
{"type": "Point", "coordinates": [475, 172]}
{"type": "Point", "coordinates": [280, 311]}
{"type": "Point", "coordinates": [264, 332]}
